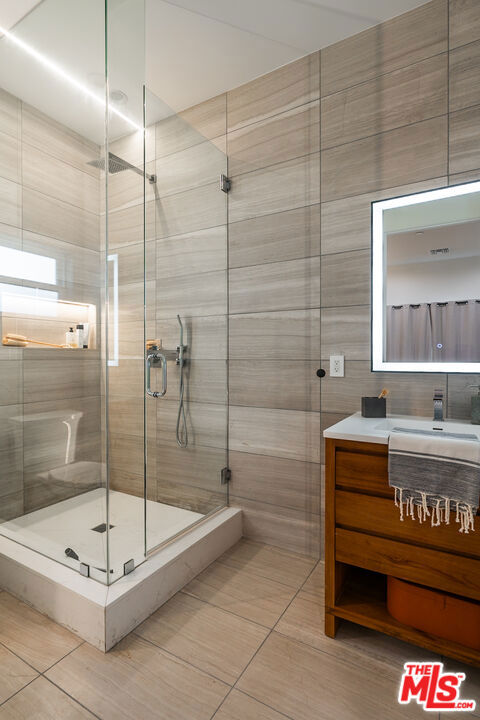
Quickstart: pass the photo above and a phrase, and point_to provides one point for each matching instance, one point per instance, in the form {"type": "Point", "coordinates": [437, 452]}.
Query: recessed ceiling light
{"type": "Point", "coordinates": [118, 97]}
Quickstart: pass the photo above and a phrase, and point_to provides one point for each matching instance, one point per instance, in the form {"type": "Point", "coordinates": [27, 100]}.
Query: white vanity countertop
{"type": "Point", "coordinates": [377, 430]}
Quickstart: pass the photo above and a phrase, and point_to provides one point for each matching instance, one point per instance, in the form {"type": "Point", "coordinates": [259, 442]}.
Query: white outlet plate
{"type": "Point", "coordinates": [337, 365]}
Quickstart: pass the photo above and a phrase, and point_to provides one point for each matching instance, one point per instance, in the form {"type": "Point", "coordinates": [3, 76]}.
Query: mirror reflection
{"type": "Point", "coordinates": [426, 280]}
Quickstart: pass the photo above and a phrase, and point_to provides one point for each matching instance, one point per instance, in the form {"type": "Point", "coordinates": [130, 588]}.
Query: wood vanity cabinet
{"type": "Point", "coordinates": [365, 541]}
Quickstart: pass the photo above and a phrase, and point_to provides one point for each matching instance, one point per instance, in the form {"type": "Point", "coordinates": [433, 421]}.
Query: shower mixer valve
{"type": "Point", "coordinates": [180, 351]}
{"type": "Point", "coordinates": [156, 354]}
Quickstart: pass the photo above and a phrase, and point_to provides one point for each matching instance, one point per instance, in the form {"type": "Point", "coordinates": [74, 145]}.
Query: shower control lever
{"type": "Point", "coordinates": [153, 357]}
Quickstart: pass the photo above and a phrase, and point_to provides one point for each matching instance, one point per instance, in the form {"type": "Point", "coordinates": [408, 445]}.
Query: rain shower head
{"type": "Point", "coordinates": [117, 164]}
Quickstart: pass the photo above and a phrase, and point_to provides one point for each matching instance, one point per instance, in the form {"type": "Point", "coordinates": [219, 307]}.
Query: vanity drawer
{"type": "Point", "coordinates": [434, 568]}
{"type": "Point", "coordinates": [379, 516]}
{"type": "Point", "coordinates": [364, 472]}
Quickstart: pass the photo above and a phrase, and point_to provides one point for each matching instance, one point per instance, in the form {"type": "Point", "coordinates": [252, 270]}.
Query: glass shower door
{"type": "Point", "coordinates": [52, 131]}
{"type": "Point", "coordinates": [186, 318]}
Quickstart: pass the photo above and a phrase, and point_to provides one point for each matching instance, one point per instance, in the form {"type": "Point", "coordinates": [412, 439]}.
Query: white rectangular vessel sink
{"type": "Point", "coordinates": [377, 430]}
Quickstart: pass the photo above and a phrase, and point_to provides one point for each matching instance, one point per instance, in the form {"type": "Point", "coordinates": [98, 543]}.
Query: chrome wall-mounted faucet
{"type": "Point", "coordinates": [438, 405]}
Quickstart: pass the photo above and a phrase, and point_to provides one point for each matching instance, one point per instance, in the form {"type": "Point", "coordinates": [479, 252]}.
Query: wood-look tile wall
{"type": "Point", "coordinates": [416, 110]}
{"type": "Point", "coordinates": [273, 147]}
{"type": "Point", "coordinates": [49, 206]}
{"type": "Point", "coordinates": [392, 110]}
{"type": "Point", "coordinates": [399, 112]}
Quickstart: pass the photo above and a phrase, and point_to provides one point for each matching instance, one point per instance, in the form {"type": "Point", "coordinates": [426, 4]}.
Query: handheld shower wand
{"type": "Point", "coordinates": [181, 431]}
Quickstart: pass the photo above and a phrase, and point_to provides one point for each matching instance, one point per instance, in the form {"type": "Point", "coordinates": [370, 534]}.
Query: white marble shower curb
{"type": "Point", "coordinates": [103, 615]}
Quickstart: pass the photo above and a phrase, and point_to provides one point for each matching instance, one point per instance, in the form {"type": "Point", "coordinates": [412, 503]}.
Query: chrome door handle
{"type": "Point", "coordinates": [148, 364]}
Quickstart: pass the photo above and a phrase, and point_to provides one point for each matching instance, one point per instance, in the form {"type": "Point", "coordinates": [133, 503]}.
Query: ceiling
{"type": "Point", "coordinates": [414, 246]}
{"type": "Point", "coordinates": [11, 11]}
{"type": "Point", "coordinates": [195, 49]}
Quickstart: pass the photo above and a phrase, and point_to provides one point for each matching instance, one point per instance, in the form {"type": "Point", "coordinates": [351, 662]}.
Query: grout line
{"type": "Point", "coordinates": [382, 75]}
{"type": "Point", "coordinates": [64, 656]}
{"type": "Point", "coordinates": [295, 111]}
{"type": "Point", "coordinates": [277, 310]}
{"type": "Point", "coordinates": [177, 657]}
{"type": "Point", "coordinates": [41, 673]}
{"type": "Point", "coordinates": [380, 189]}
{"type": "Point", "coordinates": [304, 462]}
{"type": "Point", "coordinates": [227, 309]}
{"type": "Point", "coordinates": [268, 168]}
{"type": "Point", "coordinates": [344, 252]}
{"type": "Point", "coordinates": [221, 703]}
{"type": "Point", "coordinates": [383, 132]}
{"type": "Point", "coordinates": [298, 591]}
{"type": "Point", "coordinates": [255, 406]}
{"type": "Point", "coordinates": [274, 262]}
{"type": "Point", "coordinates": [16, 654]}
{"type": "Point", "coordinates": [311, 515]}
{"type": "Point", "coordinates": [223, 610]}
{"type": "Point", "coordinates": [447, 403]}
{"type": "Point", "coordinates": [300, 309]}
{"type": "Point", "coordinates": [77, 702]}
{"type": "Point", "coordinates": [252, 697]}
{"type": "Point", "coordinates": [228, 612]}
{"type": "Point", "coordinates": [211, 141]}
{"type": "Point", "coordinates": [457, 47]}
{"type": "Point", "coordinates": [20, 690]}
{"type": "Point", "coordinates": [449, 111]}
{"type": "Point", "coordinates": [379, 76]}
{"type": "Point", "coordinates": [286, 109]}
{"type": "Point", "coordinates": [276, 212]}
{"type": "Point", "coordinates": [248, 572]}
{"type": "Point", "coordinates": [265, 640]}
{"type": "Point", "coordinates": [184, 191]}
{"type": "Point", "coordinates": [41, 149]}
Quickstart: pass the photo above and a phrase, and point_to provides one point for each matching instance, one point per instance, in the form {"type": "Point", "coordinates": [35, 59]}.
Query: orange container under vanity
{"type": "Point", "coordinates": [434, 612]}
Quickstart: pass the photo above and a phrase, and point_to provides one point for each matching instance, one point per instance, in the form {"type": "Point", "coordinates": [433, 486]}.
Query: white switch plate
{"type": "Point", "coordinates": [337, 365]}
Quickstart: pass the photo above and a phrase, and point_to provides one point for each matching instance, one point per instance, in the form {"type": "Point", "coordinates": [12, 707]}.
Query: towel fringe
{"type": "Point", "coordinates": [431, 507]}
{"type": "Point", "coordinates": [447, 510]}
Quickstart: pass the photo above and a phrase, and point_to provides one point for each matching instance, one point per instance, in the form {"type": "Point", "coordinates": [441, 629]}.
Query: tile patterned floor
{"type": "Point", "coordinates": [243, 641]}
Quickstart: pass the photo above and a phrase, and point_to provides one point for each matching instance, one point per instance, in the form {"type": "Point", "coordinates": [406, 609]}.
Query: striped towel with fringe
{"type": "Point", "coordinates": [435, 474]}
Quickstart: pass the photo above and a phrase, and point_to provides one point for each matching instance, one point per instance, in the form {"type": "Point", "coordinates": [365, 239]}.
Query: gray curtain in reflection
{"type": "Point", "coordinates": [434, 332]}
{"type": "Point", "coordinates": [455, 331]}
{"type": "Point", "coordinates": [409, 333]}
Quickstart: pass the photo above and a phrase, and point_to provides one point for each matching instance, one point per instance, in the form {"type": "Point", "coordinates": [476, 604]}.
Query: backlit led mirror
{"type": "Point", "coordinates": [426, 281]}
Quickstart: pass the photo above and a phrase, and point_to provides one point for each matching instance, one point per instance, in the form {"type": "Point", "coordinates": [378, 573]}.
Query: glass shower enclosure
{"type": "Point", "coordinates": [113, 296]}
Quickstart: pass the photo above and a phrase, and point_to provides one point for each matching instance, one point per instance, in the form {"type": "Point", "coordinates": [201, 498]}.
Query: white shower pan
{"type": "Point", "coordinates": [103, 614]}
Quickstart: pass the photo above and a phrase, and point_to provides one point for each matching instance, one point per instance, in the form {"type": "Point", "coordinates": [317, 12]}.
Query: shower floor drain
{"type": "Point", "coordinates": [102, 528]}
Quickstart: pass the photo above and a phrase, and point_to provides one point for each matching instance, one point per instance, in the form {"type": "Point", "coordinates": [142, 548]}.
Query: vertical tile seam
{"type": "Point", "coordinates": [22, 354]}
{"type": "Point", "coordinates": [448, 159]}
{"type": "Point", "coordinates": [227, 314]}
{"type": "Point", "coordinates": [377, 26]}
{"type": "Point", "coordinates": [321, 509]}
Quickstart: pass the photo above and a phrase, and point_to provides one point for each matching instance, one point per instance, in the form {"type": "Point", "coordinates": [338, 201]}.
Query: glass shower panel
{"type": "Point", "coordinates": [187, 315]}
{"type": "Point", "coordinates": [52, 129]}
{"type": "Point", "coordinates": [125, 290]}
